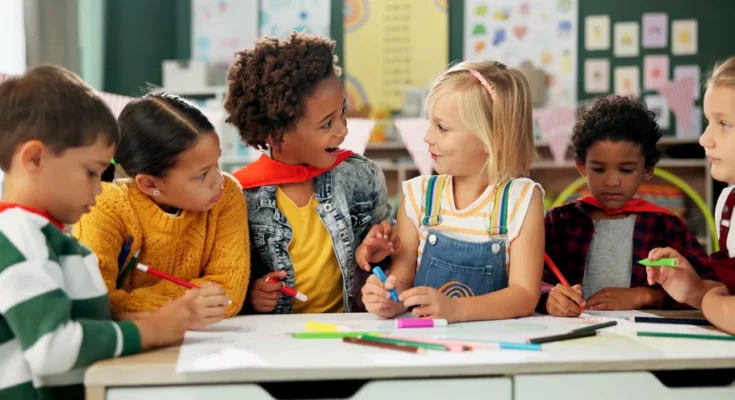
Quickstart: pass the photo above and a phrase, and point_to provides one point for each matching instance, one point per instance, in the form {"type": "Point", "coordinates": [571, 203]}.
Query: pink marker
{"type": "Point", "coordinates": [420, 323]}
{"type": "Point", "coordinates": [289, 291]}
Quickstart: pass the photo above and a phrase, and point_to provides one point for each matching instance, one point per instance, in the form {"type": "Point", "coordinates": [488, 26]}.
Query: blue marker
{"type": "Point", "coordinates": [379, 273]}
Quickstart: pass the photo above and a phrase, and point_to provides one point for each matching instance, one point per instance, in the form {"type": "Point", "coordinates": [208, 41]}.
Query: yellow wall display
{"type": "Point", "coordinates": [392, 44]}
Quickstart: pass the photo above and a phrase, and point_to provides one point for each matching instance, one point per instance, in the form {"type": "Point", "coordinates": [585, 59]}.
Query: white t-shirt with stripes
{"type": "Point", "coordinates": [470, 224]}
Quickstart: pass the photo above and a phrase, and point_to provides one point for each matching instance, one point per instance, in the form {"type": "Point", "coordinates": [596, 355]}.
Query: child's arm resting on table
{"type": "Point", "coordinates": [719, 308]}
{"type": "Point", "coordinates": [38, 312]}
{"type": "Point", "coordinates": [524, 284]}
{"type": "Point", "coordinates": [103, 231]}
{"type": "Point", "coordinates": [375, 295]}
{"type": "Point", "coordinates": [228, 264]}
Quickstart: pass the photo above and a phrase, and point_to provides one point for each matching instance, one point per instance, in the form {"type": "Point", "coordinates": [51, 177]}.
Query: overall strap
{"type": "Point", "coordinates": [725, 216]}
{"type": "Point", "coordinates": [499, 215]}
{"type": "Point", "coordinates": [433, 200]}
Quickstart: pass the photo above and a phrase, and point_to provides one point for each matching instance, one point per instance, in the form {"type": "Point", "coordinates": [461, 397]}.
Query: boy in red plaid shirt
{"type": "Point", "coordinates": [597, 240]}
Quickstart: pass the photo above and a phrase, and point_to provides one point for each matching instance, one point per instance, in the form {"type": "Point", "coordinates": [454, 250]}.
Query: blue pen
{"type": "Point", "coordinates": [377, 271]}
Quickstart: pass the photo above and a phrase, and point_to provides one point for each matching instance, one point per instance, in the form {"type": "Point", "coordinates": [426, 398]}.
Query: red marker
{"type": "Point", "coordinates": [152, 271]}
{"type": "Point", "coordinates": [289, 291]}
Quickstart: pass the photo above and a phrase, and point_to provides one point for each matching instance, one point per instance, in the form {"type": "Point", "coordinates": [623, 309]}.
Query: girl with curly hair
{"type": "Point", "coordinates": [310, 203]}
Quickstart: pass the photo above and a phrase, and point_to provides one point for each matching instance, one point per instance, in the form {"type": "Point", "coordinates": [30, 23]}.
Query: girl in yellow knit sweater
{"type": "Point", "coordinates": [178, 213]}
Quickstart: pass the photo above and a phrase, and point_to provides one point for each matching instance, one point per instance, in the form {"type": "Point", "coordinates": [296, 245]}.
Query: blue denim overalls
{"type": "Point", "coordinates": [458, 268]}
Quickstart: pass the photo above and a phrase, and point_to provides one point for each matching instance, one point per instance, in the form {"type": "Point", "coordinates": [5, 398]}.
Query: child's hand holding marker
{"type": "Point", "coordinates": [266, 291]}
{"type": "Point", "coordinates": [210, 305]}
{"type": "Point", "coordinates": [169, 323]}
{"type": "Point", "coordinates": [682, 283]}
{"type": "Point", "coordinates": [565, 301]}
{"type": "Point", "coordinates": [379, 295]}
{"type": "Point", "coordinates": [430, 303]}
{"type": "Point", "coordinates": [379, 243]}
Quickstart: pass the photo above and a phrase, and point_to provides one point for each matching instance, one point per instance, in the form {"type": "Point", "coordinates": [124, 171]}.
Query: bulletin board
{"type": "Point", "coordinates": [715, 31]}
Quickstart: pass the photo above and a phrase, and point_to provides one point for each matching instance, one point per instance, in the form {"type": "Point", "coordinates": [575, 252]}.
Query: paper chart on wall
{"type": "Point", "coordinates": [390, 46]}
{"type": "Point", "coordinates": [281, 17]}
{"type": "Point", "coordinates": [541, 32]}
{"type": "Point", "coordinates": [220, 28]}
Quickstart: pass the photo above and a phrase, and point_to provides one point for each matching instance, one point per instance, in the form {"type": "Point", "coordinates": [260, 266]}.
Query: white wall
{"type": "Point", "coordinates": [12, 37]}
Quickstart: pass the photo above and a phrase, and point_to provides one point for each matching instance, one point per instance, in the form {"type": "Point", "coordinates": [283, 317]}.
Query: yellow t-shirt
{"type": "Point", "coordinates": [316, 268]}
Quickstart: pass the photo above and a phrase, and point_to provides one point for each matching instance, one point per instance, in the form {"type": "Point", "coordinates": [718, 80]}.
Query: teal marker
{"type": "Point", "coordinates": [377, 271]}
{"type": "Point", "coordinates": [661, 262]}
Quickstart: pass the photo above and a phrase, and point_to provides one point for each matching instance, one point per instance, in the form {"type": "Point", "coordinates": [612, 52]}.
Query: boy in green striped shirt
{"type": "Point", "coordinates": [56, 139]}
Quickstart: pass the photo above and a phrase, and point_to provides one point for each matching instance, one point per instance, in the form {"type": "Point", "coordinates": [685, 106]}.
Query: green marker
{"type": "Point", "coordinates": [661, 262]}
{"type": "Point", "coordinates": [331, 335]}
{"type": "Point", "coordinates": [686, 336]}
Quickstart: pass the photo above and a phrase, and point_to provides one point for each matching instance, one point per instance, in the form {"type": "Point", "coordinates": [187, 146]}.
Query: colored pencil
{"type": "Point", "coordinates": [595, 327]}
{"type": "Point", "coordinates": [124, 255]}
{"type": "Point", "coordinates": [676, 321]}
{"type": "Point", "coordinates": [128, 269]}
{"type": "Point", "coordinates": [493, 344]}
{"type": "Point", "coordinates": [170, 278]}
{"type": "Point", "coordinates": [555, 270]}
{"type": "Point", "coordinates": [451, 346]}
{"type": "Point", "coordinates": [401, 342]}
{"type": "Point", "coordinates": [383, 345]}
{"type": "Point", "coordinates": [456, 344]}
{"type": "Point", "coordinates": [686, 336]}
{"type": "Point", "coordinates": [564, 336]}
{"type": "Point", "coordinates": [331, 335]}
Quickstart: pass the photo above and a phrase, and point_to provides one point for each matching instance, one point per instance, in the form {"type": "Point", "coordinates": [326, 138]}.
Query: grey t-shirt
{"type": "Point", "coordinates": [610, 256]}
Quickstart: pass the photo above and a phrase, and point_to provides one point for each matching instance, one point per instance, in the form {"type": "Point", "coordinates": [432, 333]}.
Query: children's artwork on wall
{"type": "Point", "coordinates": [597, 32]}
{"type": "Point", "coordinates": [687, 71]}
{"type": "Point", "coordinates": [627, 43]}
{"type": "Point", "coordinates": [391, 46]}
{"type": "Point", "coordinates": [597, 75]}
{"type": "Point", "coordinates": [658, 105]}
{"type": "Point", "coordinates": [627, 81]}
{"type": "Point", "coordinates": [281, 17]}
{"type": "Point", "coordinates": [222, 27]}
{"type": "Point", "coordinates": [655, 71]}
{"type": "Point", "coordinates": [694, 128]}
{"type": "Point", "coordinates": [540, 33]}
{"type": "Point", "coordinates": [655, 30]}
{"type": "Point", "coordinates": [684, 38]}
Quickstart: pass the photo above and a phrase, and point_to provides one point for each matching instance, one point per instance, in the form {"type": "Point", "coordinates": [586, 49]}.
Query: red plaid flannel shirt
{"type": "Point", "coordinates": [569, 231]}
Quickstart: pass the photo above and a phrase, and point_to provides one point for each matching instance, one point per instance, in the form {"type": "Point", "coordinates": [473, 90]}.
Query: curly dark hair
{"type": "Point", "coordinates": [268, 84]}
{"type": "Point", "coordinates": [618, 118]}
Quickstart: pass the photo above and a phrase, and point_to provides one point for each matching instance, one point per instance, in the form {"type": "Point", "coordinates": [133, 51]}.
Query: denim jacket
{"type": "Point", "coordinates": [352, 198]}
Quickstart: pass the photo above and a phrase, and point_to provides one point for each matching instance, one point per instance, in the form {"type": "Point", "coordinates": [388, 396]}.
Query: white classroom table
{"type": "Point", "coordinates": [153, 375]}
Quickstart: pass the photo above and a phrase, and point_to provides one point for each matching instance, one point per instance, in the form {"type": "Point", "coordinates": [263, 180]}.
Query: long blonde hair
{"type": "Point", "coordinates": [503, 125]}
{"type": "Point", "coordinates": [723, 74]}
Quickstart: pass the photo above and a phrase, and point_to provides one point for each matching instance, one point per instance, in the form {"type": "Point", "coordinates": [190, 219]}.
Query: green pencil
{"type": "Point", "coordinates": [127, 270]}
{"type": "Point", "coordinates": [423, 345]}
{"type": "Point", "coordinates": [661, 262]}
{"type": "Point", "coordinates": [331, 335]}
{"type": "Point", "coordinates": [686, 336]}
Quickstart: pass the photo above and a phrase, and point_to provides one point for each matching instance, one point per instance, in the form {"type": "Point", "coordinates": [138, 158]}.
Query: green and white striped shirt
{"type": "Point", "coordinates": [55, 315]}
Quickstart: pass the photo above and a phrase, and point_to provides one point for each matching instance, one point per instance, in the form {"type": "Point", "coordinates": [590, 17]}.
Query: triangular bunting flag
{"type": "Point", "coordinates": [556, 123]}
{"type": "Point", "coordinates": [679, 95]}
{"type": "Point", "coordinates": [358, 135]}
{"type": "Point", "coordinates": [412, 132]}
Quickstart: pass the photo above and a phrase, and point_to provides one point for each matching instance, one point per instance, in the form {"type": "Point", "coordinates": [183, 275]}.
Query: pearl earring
{"type": "Point", "coordinates": [156, 192]}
